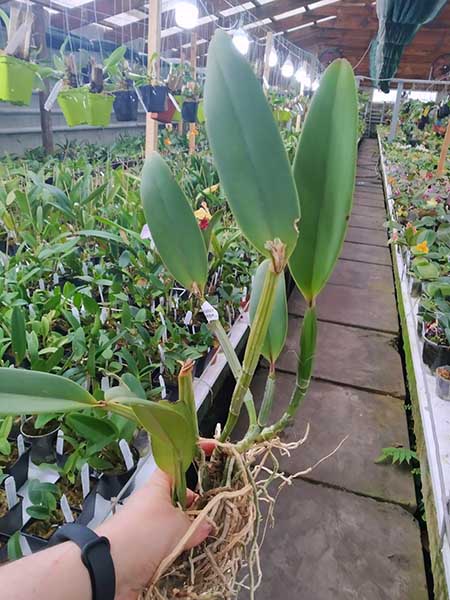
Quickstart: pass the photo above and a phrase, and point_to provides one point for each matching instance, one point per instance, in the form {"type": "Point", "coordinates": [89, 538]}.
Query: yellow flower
{"type": "Point", "coordinates": [422, 247]}
{"type": "Point", "coordinates": [432, 202]}
{"type": "Point", "coordinates": [212, 189]}
{"type": "Point", "coordinates": [203, 215]}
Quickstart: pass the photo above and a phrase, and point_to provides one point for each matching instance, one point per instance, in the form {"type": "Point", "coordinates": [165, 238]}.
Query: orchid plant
{"type": "Point", "coordinates": [294, 216]}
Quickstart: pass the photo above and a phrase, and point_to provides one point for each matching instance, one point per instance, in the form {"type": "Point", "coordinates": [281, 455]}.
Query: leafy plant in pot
{"type": "Point", "coordinates": [265, 201]}
{"type": "Point", "coordinates": [117, 71]}
{"type": "Point", "coordinates": [153, 91]}
{"type": "Point", "coordinates": [17, 73]}
{"type": "Point", "coordinates": [436, 342]}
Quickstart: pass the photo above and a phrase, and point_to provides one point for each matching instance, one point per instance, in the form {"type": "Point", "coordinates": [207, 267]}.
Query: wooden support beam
{"type": "Point", "coordinates": [444, 152]}
{"type": "Point", "coordinates": [192, 126]}
{"type": "Point", "coordinates": [154, 46]}
{"type": "Point", "coordinates": [39, 29]}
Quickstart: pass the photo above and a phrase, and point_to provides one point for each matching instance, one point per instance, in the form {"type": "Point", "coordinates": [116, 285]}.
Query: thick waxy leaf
{"type": "Point", "coordinates": [276, 334]}
{"type": "Point", "coordinates": [247, 148]}
{"type": "Point", "coordinates": [324, 171]}
{"type": "Point", "coordinates": [28, 392]}
{"type": "Point", "coordinates": [18, 334]}
{"type": "Point", "coordinates": [173, 440]}
{"type": "Point", "coordinates": [173, 225]}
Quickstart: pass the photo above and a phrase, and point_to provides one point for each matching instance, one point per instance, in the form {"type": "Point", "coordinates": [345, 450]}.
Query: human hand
{"type": "Point", "coordinates": [146, 530]}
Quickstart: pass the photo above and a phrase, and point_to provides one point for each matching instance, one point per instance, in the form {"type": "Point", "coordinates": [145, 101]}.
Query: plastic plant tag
{"type": "Point", "coordinates": [11, 492]}
{"type": "Point", "coordinates": [210, 312]}
{"type": "Point", "coordinates": [41, 285]}
{"type": "Point", "coordinates": [188, 318]}
{"type": "Point", "coordinates": [104, 384]}
{"type": "Point", "coordinates": [64, 503]}
{"type": "Point", "coordinates": [31, 311]}
{"type": "Point", "coordinates": [126, 453]}
{"type": "Point", "coordinates": [61, 268]}
{"type": "Point", "coordinates": [53, 95]}
{"type": "Point", "coordinates": [85, 269]}
{"type": "Point", "coordinates": [85, 483]}
{"type": "Point", "coordinates": [175, 103]}
{"type": "Point", "coordinates": [139, 95]}
{"type": "Point", "coordinates": [24, 546]}
{"type": "Point", "coordinates": [20, 445]}
{"type": "Point", "coordinates": [162, 354]}
{"type": "Point", "coordinates": [55, 278]}
{"type": "Point", "coordinates": [162, 385]}
{"type": "Point", "coordinates": [103, 315]}
{"type": "Point", "coordinates": [76, 313]}
{"type": "Point", "coordinates": [60, 443]}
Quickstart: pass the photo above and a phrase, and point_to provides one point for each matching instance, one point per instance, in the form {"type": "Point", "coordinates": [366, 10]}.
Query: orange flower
{"type": "Point", "coordinates": [167, 142]}
{"type": "Point", "coordinates": [203, 216]}
{"type": "Point", "coordinates": [422, 247]}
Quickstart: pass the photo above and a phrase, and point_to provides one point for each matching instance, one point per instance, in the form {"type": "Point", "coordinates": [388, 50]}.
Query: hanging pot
{"type": "Point", "coordinates": [16, 80]}
{"type": "Point", "coordinates": [99, 107]}
{"type": "Point", "coordinates": [189, 111]}
{"type": "Point", "coordinates": [167, 115]}
{"type": "Point", "coordinates": [43, 445]}
{"type": "Point", "coordinates": [154, 97]}
{"type": "Point", "coordinates": [125, 105]}
{"type": "Point", "coordinates": [73, 103]}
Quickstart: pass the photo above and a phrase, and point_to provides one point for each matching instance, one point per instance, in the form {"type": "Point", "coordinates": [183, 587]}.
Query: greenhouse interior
{"type": "Point", "coordinates": [225, 300]}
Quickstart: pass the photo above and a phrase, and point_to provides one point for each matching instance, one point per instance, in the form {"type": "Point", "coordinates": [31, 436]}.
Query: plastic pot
{"type": "Point", "coordinates": [12, 521]}
{"type": "Point", "coordinates": [189, 111]}
{"type": "Point", "coordinates": [16, 80]}
{"type": "Point", "coordinates": [110, 484]}
{"type": "Point", "coordinates": [126, 105]}
{"type": "Point", "coordinates": [154, 97]}
{"type": "Point", "coordinates": [19, 469]}
{"type": "Point", "coordinates": [167, 115]}
{"type": "Point", "coordinates": [443, 383]}
{"type": "Point", "coordinates": [99, 107]}
{"type": "Point", "coordinates": [43, 447]}
{"type": "Point", "coordinates": [73, 104]}
{"type": "Point", "coordinates": [435, 356]}
{"type": "Point", "coordinates": [415, 287]}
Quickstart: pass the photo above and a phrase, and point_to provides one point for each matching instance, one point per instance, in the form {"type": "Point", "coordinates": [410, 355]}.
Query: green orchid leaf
{"type": "Point", "coordinates": [207, 233]}
{"type": "Point", "coordinates": [324, 172]}
{"type": "Point", "coordinates": [173, 225]}
{"type": "Point", "coordinates": [25, 392]}
{"type": "Point", "coordinates": [248, 151]}
{"type": "Point", "coordinates": [92, 429]}
{"type": "Point", "coordinates": [18, 334]}
{"type": "Point", "coordinates": [276, 334]}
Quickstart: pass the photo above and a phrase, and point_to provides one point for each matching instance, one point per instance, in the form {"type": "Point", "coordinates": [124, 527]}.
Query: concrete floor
{"type": "Point", "coordinates": [346, 531]}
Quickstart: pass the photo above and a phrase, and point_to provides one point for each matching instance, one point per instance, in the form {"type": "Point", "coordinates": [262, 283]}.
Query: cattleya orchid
{"type": "Point", "coordinates": [203, 216]}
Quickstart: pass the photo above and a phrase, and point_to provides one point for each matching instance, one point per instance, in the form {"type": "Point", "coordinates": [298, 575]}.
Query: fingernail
{"type": "Point", "coordinates": [206, 528]}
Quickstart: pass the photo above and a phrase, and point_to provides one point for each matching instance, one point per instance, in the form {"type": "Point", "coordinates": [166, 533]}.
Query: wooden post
{"type": "Point", "coordinates": [180, 122]}
{"type": "Point", "coordinates": [192, 126]}
{"type": "Point", "coordinates": [298, 122]}
{"type": "Point", "coordinates": [153, 46]}
{"type": "Point", "coordinates": [40, 28]}
{"type": "Point", "coordinates": [268, 50]}
{"type": "Point", "coordinates": [444, 151]}
{"type": "Point", "coordinates": [396, 112]}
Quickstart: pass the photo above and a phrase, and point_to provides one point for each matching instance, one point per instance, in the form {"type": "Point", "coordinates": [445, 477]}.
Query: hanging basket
{"type": "Point", "coordinates": [189, 111]}
{"type": "Point", "coordinates": [99, 107]}
{"type": "Point", "coordinates": [16, 80]}
{"type": "Point", "coordinates": [154, 97]}
{"type": "Point", "coordinates": [125, 105]}
{"type": "Point", "coordinates": [73, 103]}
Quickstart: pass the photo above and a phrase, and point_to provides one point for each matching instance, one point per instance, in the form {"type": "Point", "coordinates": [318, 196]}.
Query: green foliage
{"type": "Point", "coordinates": [277, 331]}
{"type": "Point", "coordinates": [248, 150]}
{"type": "Point", "coordinates": [397, 455]}
{"type": "Point", "coordinates": [173, 226]}
{"type": "Point", "coordinates": [18, 334]}
{"type": "Point", "coordinates": [43, 497]}
{"type": "Point", "coordinates": [324, 172]}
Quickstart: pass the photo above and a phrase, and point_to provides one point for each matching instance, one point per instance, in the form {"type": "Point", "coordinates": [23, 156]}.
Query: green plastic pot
{"type": "Point", "coordinates": [16, 80]}
{"type": "Point", "coordinates": [283, 116]}
{"type": "Point", "coordinates": [73, 104]}
{"type": "Point", "coordinates": [99, 107]}
{"type": "Point", "coordinates": [201, 112]}
{"type": "Point", "coordinates": [177, 115]}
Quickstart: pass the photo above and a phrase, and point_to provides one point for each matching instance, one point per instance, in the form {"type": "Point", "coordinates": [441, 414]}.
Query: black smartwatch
{"type": "Point", "coordinates": [95, 555]}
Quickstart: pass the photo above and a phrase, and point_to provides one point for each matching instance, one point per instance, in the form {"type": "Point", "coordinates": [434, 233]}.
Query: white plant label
{"type": "Point", "coordinates": [103, 315]}
{"type": "Point", "coordinates": [76, 313]}
{"type": "Point", "coordinates": [85, 483]}
{"type": "Point", "coordinates": [188, 317]}
{"type": "Point", "coordinates": [55, 278]}
{"type": "Point", "coordinates": [104, 384]}
{"type": "Point", "coordinates": [61, 268]}
{"type": "Point", "coordinates": [32, 311]}
{"type": "Point", "coordinates": [53, 95]}
{"type": "Point", "coordinates": [24, 546]}
{"type": "Point", "coordinates": [64, 503]}
{"type": "Point", "coordinates": [162, 385]}
{"type": "Point", "coordinates": [175, 103]}
{"type": "Point", "coordinates": [41, 285]}
{"type": "Point", "coordinates": [60, 443]}
{"type": "Point", "coordinates": [162, 354]}
{"type": "Point", "coordinates": [139, 95]}
{"type": "Point", "coordinates": [20, 444]}
{"type": "Point", "coordinates": [210, 312]}
{"type": "Point", "coordinates": [11, 492]}
{"type": "Point", "coordinates": [126, 453]}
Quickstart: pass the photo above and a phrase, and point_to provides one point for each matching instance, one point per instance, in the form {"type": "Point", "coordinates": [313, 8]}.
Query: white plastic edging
{"type": "Point", "coordinates": [203, 386]}
{"type": "Point", "coordinates": [434, 412]}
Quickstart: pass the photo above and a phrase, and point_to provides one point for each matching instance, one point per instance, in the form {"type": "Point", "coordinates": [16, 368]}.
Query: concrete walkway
{"type": "Point", "coordinates": [346, 531]}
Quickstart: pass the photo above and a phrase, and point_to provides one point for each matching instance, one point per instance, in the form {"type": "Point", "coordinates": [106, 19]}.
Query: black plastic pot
{"type": "Point", "coordinates": [126, 105]}
{"type": "Point", "coordinates": [19, 470]}
{"type": "Point", "coordinates": [415, 288]}
{"type": "Point", "coordinates": [43, 447]}
{"type": "Point", "coordinates": [189, 111]}
{"type": "Point", "coordinates": [12, 521]}
{"type": "Point", "coordinates": [420, 327]}
{"type": "Point", "coordinates": [110, 484]}
{"type": "Point", "coordinates": [435, 356]}
{"type": "Point", "coordinates": [154, 97]}
{"type": "Point", "coordinates": [87, 512]}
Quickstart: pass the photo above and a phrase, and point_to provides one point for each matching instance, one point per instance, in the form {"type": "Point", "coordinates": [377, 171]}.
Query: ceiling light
{"type": "Point", "coordinates": [321, 3]}
{"type": "Point", "coordinates": [241, 41]}
{"type": "Point", "coordinates": [273, 58]}
{"type": "Point", "coordinates": [300, 74]}
{"type": "Point", "coordinates": [287, 70]}
{"type": "Point", "coordinates": [290, 13]}
{"type": "Point", "coordinates": [186, 14]}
